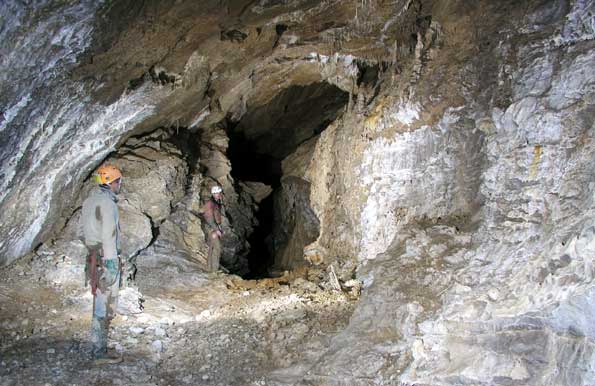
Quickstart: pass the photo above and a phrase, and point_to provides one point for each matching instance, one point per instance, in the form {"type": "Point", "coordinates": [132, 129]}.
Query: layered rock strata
{"type": "Point", "coordinates": [457, 176]}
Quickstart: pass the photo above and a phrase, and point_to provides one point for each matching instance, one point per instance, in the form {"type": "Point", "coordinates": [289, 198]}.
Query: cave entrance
{"type": "Point", "coordinates": [258, 144]}
{"type": "Point", "coordinates": [248, 165]}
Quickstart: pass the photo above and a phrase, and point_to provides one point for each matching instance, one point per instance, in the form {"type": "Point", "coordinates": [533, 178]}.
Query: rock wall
{"type": "Point", "coordinates": [121, 69]}
{"type": "Point", "coordinates": [167, 179]}
{"type": "Point", "coordinates": [295, 224]}
{"type": "Point", "coordinates": [469, 193]}
{"type": "Point", "coordinates": [458, 177]}
{"type": "Point", "coordinates": [54, 132]}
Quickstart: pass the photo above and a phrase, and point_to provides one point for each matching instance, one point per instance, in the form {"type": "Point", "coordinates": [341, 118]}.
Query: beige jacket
{"type": "Point", "coordinates": [100, 222]}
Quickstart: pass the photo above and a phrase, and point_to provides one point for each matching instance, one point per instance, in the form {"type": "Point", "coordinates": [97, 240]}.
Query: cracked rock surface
{"type": "Point", "coordinates": [437, 156]}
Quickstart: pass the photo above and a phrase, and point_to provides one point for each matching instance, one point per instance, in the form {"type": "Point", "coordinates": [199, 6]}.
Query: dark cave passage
{"type": "Point", "coordinates": [258, 144]}
{"type": "Point", "coordinates": [250, 166]}
{"type": "Point", "coordinates": [261, 256]}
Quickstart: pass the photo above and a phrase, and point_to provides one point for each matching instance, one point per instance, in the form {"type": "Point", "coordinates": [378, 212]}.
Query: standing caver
{"type": "Point", "coordinates": [212, 213]}
{"type": "Point", "coordinates": [101, 232]}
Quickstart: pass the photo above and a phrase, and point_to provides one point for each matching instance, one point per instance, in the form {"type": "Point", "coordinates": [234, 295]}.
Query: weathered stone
{"type": "Point", "coordinates": [446, 149]}
{"type": "Point", "coordinates": [181, 236]}
{"type": "Point", "coordinates": [135, 229]}
{"type": "Point", "coordinates": [157, 346]}
{"type": "Point", "coordinates": [130, 302]}
{"type": "Point", "coordinates": [257, 190]}
{"type": "Point", "coordinates": [296, 224]}
{"type": "Point", "coordinates": [304, 285]}
{"type": "Point", "coordinates": [154, 180]}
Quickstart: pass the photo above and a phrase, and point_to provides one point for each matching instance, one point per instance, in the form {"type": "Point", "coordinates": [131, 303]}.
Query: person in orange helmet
{"type": "Point", "coordinates": [101, 232]}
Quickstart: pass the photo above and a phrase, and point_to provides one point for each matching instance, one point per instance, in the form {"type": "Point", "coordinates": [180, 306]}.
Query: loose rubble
{"type": "Point", "coordinates": [223, 331]}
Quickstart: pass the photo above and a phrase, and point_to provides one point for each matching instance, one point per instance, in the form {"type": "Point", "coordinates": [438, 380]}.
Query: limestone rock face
{"type": "Point", "coordinates": [135, 228]}
{"type": "Point", "coordinates": [443, 148]}
{"type": "Point", "coordinates": [180, 243]}
{"type": "Point", "coordinates": [256, 191]}
{"type": "Point", "coordinates": [296, 224]}
{"type": "Point", "coordinates": [473, 221]}
{"type": "Point", "coordinates": [154, 181]}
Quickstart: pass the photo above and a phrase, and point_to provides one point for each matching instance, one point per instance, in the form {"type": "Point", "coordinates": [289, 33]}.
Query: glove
{"type": "Point", "coordinates": [110, 272]}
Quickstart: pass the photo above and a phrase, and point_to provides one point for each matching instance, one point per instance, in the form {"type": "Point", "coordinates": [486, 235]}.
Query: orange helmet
{"type": "Point", "coordinates": [107, 174]}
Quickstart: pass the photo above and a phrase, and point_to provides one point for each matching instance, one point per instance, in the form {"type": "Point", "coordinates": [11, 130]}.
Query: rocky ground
{"type": "Point", "coordinates": [203, 329]}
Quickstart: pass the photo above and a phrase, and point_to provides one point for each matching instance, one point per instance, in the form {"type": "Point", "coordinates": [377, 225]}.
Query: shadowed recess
{"type": "Point", "coordinates": [262, 139]}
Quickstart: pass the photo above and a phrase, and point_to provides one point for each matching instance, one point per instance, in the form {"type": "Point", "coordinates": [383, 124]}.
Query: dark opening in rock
{"type": "Point", "coordinates": [295, 115]}
{"type": "Point", "coordinates": [368, 73]}
{"type": "Point", "coordinates": [259, 143]}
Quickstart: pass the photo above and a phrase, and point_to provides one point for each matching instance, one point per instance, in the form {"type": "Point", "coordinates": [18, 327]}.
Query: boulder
{"type": "Point", "coordinates": [295, 223]}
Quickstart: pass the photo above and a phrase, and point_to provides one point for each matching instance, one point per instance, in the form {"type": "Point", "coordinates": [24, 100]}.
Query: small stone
{"type": "Point", "coordinates": [51, 351]}
{"type": "Point", "coordinates": [25, 322]}
{"type": "Point", "coordinates": [159, 331]}
{"type": "Point", "coordinates": [203, 315]}
{"type": "Point", "coordinates": [157, 346]}
{"type": "Point", "coordinates": [494, 294]}
{"type": "Point", "coordinates": [137, 330]}
{"type": "Point", "coordinates": [131, 341]}
{"type": "Point", "coordinates": [205, 377]}
{"type": "Point", "coordinates": [305, 285]}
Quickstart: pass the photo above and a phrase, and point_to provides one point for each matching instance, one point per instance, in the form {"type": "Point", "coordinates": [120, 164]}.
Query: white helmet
{"type": "Point", "coordinates": [216, 189]}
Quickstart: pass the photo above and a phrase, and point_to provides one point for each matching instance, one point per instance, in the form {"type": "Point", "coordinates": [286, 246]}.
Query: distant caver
{"type": "Point", "coordinates": [212, 212]}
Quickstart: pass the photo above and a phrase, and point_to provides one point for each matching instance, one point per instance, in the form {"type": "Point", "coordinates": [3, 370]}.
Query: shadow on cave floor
{"type": "Point", "coordinates": [62, 360]}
